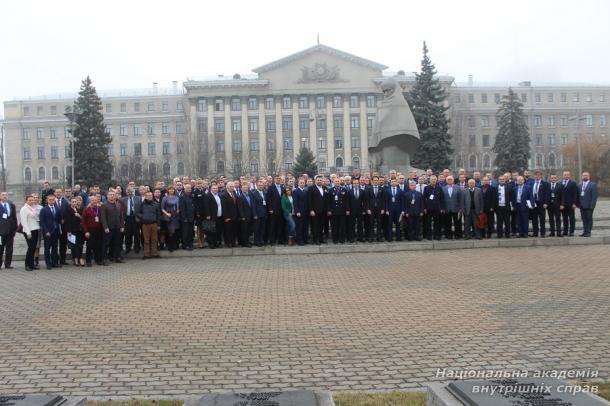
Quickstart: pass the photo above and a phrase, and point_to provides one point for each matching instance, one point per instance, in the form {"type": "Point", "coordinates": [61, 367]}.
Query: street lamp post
{"type": "Point", "coordinates": [72, 115]}
{"type": "Point", "coordinates": [578, 118]}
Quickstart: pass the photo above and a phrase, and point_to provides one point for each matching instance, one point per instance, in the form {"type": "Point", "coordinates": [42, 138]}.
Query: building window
{"type": "Point", "coordinates": [236, 125]}
{"type": "Point", "coordinates": [26, 111]}
{"type": "Point", "coordinates": [270, 123]}
{"type": "Point", "coordinates": [550, 98]}
{"type": "Point", "coordinates": [253, 124]}
{"type": "Point", "coordinates": [219, 105]}
{"type": "Point", "coordinates": [42, 173]}
{"type": "Point", "coordinates": [67, 132]}
{"type": "Point", "coordinates": [552, 139]}
{"type": "Point", "coordinates": [136, 107]}
{"type": "Point", "coordinates": [537, 121]}
{"type": "Point", "coordinates": [322, 143]}
{"type": "Point", "coordinates": [254, 167]}
{"type": "Point", "coordinates": [339, 162]}
{"type": "Point", "coordinates": [137, 130]}
{"type": "Point", "coordinates": [356, 162]}
{"type": "Point", "coordinates": [179, 128]}
{"type": "Point", "coordinates": [39, 133]}
{"type": "Point", "coordinates": [165, 107]}
{"type": "Point", "coordinates": [252, 103]}
{"type": "Point", "coordinates": [303, 102]}
{"type": "Point", "coordinates": [576, 97]}
{"type": "Point", "coordinates": [563, 120]}
{"type": "Point", "coordinates": [321, 123]}
{"type": "Point", "coordinates": [304, 123]}
{"type": "Point", "coordinates": [269, 105]}
{"type": "Point", "coordinates": [165, 128]}
{"type": "Point", "coordinates": [470, 98]}
{"type": "Point", "coordinates": [151, 128]}
{"type": "Point", "coordinates": [320, 102]}
{"type": "Point", "coordinates": [202, 105]}
{"type": "Point", "coordinates": [602, 120]}
{"type": "Point", "coordinates": [353, 102]}
{"type": "Point", "coordinates": [564, 139]}
{"type": "Point", "coordinates": [166, 169]}
{"type": "Point", "coordinates": [179, 106]}
{"type": "Point", "coordinates": [471, 122]}
{"type": "Point", "coordinates": [354, 122]}
{"type": "Point", "coordinates": [123, 130]}
{"type": "Point", "coordinates": [551, 121]}
{"type": "Point", "coordinates": [322, 164]}
{"type": "Point", "coordinates": [472, 140]}
{"type": "Point", "coordinates": [588, 97]}
{"type": "Point", "coordinates": [538, 139]}
{"type": "Point", "coordinates": [370, 121]}
{"type": "Point", "coordinates": [151, 107]}
{"type": "Point", "coordinates": [539, 160]}
{"type": "Point", "coordinates": [220, 146]}
{"type": "Point", "coordinates": [110, 150]}
{"type": "Point", "coordinates": [270, 146]}
{"type": "Point", "coordinates": [237, 145]}
{"type": "Point", "coordinates": [287, 165]}
{"type": "Point", "coordinates": [180, 148]}
{"type": "Point", "coordinates": [338, 142]}
{"type": "Point", "coordinates": [55, 173]}
{"type": "Point", "coordinates": [166, 148]}
{"type": "Point", "coordinates": [55, 152]}
{"type": "Point", "coordinates": [589, 120]}
{"type": "Point", "coordinates": [108, 129]}
{"type": "Point", "coordinates": [337, 102]}
{"type": "Point", "coordinates": [483, 97]}
{"type": "Point", "coordinates": [286, 103]}
{"type": "Point", "coordinates": [338, 121]}
{"type": "Point", "coordinates": [304, 142]}
{"type": "Point", "coordinates": [484, 121]}
{"type": "Point", "coordinates": [27, 174]}
{"type": "Point", "coordinates": [472, 162]}
{"type": "Point", "coordinates": [53, 133]}
{"type": "Point", "coordinates": [137, 149]}
{"type": "Point", "coordinates": [235, 105]}
{"type": "Point", "coordinates": [537, 98]}
{"type": "Point", "coordinates": [254, 144]}
{"type": "Point", "coordinates": [219, 125]}
{"type": "Point", "coordinates": [123, 107]}
{"type": "Point", "coordinates": [287, 123]}
{"type": "Point", "coordinates": [497, 98]}
{"type": "Point", "coordinates": [180, 168]}
{"type": "Point", "coordinates": [25, 133]}
{"type": "Point", "coordinates": [486, 142]}
{"type": "Point", "coordinates": [371, 101]}
{"type": "Point", "coordinates": [40, 152]}
{"type": "Point", "coordinates": [108, 108]}
{"type": "Point", "coordinates": [67, 151]}
{"type": "Point", "coordinates": [486, 162]}
{"type": "Point", "coordinates": [355, 141]}
{"type": "Point", "coordinates": [524, 97]}
{"type": "Point", "coordinates": [123, 149]}
{"type": "Point", "coordinates": [152, 149]}
{"type": "Point", "coordinates": [27, 154]}
{"type": "Point", "coordinates": [54, 110]}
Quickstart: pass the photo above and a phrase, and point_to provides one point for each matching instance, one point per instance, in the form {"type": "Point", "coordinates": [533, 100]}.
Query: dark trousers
{"type": "Point", "coordinates": [230, 232]}
{"type": "Point", "coordinates": [6, 249]}
{"type": "Point", "coordinates": [112, 244]}
{"type": "Point", "coordinates": [367, 223]}
{"type": "Point", "coordinates": [132, 234]}
{"type": "Point", "coordinates": [471, 224]}
{"type": "Point", "coordinates": [355, 227]}
{"type": "Point", "coordinates": [539, 220]}
{"type": "Point", "coordinates": [302, 227]}
{"type": "Point", "coordinates": [393, 224]}
{"type": "Point", "coordinates": [504, 225]}
{"type": "Point", "coordinates": [63, 245]}
{"type": "Point", "coordinates": [432, 224]}
{"type": "Point", "coordinates": [587, 220]}
{"type": "Point", "coordinates": [522, 219]}
{"type": "Point", "coordinates": [337, 227]}
{"type": "Point", "coordinates": [277, 228]}
{"type": "Point", "coordinates": [490, 222]}
{"type": "Point", "coordinates": [31, 242]}
{"type": "Point", "coordinates": [259, 230]}
{"type": "Point", "coordinates": [414, 227]}
{"type": "Point", "coordinates": [453, 225]}
{"type": "Point", "coordinates": [245, 229]}
{"type": "Point", "coordinates": [187, 229]}
{"type": "Point", "coordinates": [95, 247]}
{"type": "Point", "coordinates": [513, 221]}
{"type": "Point", "coordinates": [51, 255]}
{"type": "Point", "coordinates": [376, 227]}
{"type": "Point", "coordinates": [569, 220]}
{"type": "Point", "coordinates": [214, 238]}
{"type": "Point", "coordinates": [317, 227]}
{"type": "Point", "coordinates": [554, 220]}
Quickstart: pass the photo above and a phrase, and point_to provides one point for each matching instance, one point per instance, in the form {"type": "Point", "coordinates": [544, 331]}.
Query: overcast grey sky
{"type": "Point", "coordinates": [49, 46]}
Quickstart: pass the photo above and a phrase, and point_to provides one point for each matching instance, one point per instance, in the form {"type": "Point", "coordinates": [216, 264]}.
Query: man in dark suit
{"type": "Point", "coordinates": [300, 201]}
{"type": "Point", "coordinates": [523, 203]}
{"type": "Point", "coordinates": [50, 226]}
{"type": "Point", "coordinates": [472, 202]}
{"type": "Point", "coordinates": [376, 204]}
{"type": "Point", "coordinates": [414, 211]}
{"type": "Point", "coordinates": [569, 200]}
{"type": "Point", "coordinates": [541, 196]}
{"type": "Point", "coordinates": [259, 213]}
{"type": "Point", "coordinates": [63, 205]}
{"type": "Point", "coordinates": [394, 207]}
{"type": "Point", "coordinates": [318, 208]}
{"type": "Point", "coordinates": [213, 212]}
{"type": "Point", "coordinates": [489, 203]}
{"type": "Point", "coordinates": [555, 198]}
{"type": "Point", "coordinates": [244, 212]}
{"type": "Point", "coordinates": [452, 199]}
{"type": "Point", "coordinates": [8, 228]}
{"type": "Point", "coordinates": [587, 201]}
{"type": "Point", "coordinates": [274, 208]}
{"type": "Point", "coordinates": [358, 207]}
{"type": "Point", "coordinates": [186, 203]}
{"type": "Point", "coordinates": [337, 210]}
{"type": "Point", "coordinates": [504, 207]}
{"type": "Point", "coordinates": [132, 229]}
{"type": "Point", "coordinates": [229, 214]}
{"type": "Point", "coordinates": [433, 203]}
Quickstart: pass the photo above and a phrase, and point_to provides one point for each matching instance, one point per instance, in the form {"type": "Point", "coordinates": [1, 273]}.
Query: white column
{"type": "Point", "coordinates": [279, 137]}
{"type": "Point", "coordinates": [296, 127]}
{"type": "Point", "coordinates": [211, 139]}
{"type": "Point", "coordinates": [330, 133]}
{"type": "Point", "coordinates": [313, 145]}
{"type": "Point", "coordinates": [347, 138]}
{"type": "Point", "coordinates": [262, 139]}
{"type": "Point", "coordinates": [228, 138]}
{"type": "Point", "coordinates": [364, 137]}
{"type": "Point", "coordinates": [192, 149]}
{"type": "Point", "coordinates": [245, 145]}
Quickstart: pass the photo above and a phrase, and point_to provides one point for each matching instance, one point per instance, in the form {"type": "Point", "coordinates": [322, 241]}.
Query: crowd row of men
{"type": "Point", "coordinates": [288, 210]}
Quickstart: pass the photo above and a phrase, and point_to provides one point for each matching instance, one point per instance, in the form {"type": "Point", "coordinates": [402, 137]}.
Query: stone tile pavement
{"type": "Point", "coordinates": [371, 321]}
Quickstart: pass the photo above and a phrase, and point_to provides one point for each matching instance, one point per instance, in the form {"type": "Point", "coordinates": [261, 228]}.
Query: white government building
{"type": "Point", "coordinates": [320, 97]}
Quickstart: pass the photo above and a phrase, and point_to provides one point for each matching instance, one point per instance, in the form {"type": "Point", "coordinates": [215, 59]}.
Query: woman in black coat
{"type": "Point", "coordinates": [76, 238]}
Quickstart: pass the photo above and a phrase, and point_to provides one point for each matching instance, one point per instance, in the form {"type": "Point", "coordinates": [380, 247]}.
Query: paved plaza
{"type": "Point", "coordinates": [372, 321]}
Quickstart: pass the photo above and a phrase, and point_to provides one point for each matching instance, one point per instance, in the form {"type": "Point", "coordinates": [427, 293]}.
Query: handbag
{"type": "Point", "coordinates": [209, 226]}
{"type": "Point", "coordinates": [482, 221]}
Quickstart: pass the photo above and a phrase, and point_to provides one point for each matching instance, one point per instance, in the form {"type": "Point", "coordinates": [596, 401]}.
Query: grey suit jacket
{"type": "Point", "coordinates": [453, 204]}
{"type": "Point", "coordinates": [478, 201]}
{"type": "Point", "coordinates": [137, 202]}
{"type": "Point", "coordinates": [589, 200]}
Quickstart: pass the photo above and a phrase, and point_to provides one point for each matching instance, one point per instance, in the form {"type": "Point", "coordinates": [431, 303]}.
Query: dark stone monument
{"type": "Point", "coordinates": [521, 392]}
{"type": "Point", "coordinates": [288, 398]}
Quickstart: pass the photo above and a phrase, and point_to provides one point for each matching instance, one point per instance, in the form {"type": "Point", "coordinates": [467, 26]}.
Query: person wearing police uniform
{"type": "Point", "coordinates": [318, 208]}
{"type": "Point", "coordinates": [414, 211]}
{"type": "Point", "coordinates": [358, 207]}
{"type": "Point", "coordinates": [554, 213]}
{"type": "Point", "coordinates": [337, 210]}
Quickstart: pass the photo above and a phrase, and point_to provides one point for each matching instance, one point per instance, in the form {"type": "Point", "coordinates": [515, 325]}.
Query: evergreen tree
{"type": "Point", "coordinates": [305, 162]}
{"type": "Point", "coordinates": [512, 146]}
{"type": "Point", "coordinates": [91, 162]}
{"type": "Point", "coordinates": [427, 103]}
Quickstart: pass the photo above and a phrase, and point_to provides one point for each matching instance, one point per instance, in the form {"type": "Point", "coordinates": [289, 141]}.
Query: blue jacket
{"type": "Point", "coordinates": [414, 204]}
{"type": "Point", "coordinates": [300, 201]}
{"type": "Point", "coordinates": [396, 206]}
{"type": "Point", "coordinates": [588, 198]}
{"type": "Point", "coordinates": [259, 209]}
{"type": "Point", "coordinates": [48, 222]}
{"type": "Point", "coordinates": [544, 193]}
{"type": "Point", "coordinates": [526, 194]}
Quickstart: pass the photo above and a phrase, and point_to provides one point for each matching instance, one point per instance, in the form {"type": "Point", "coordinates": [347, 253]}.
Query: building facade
{"type": "Point", "coordinates": [322, 98]}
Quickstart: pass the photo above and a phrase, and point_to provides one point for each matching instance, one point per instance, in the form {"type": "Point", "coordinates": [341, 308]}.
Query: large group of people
{"type": "Point", "coordinates": [99, 227]}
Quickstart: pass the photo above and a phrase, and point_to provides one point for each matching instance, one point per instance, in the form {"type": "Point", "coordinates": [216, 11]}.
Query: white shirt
{"type": "Point", "coordinates": [217, 198]}
{"type": "Point", "coordinates": [320, 189]}
{"type": "Point", "coordinates": [501, 195]}
{"type": "Point", "coordinates": [29, 218]}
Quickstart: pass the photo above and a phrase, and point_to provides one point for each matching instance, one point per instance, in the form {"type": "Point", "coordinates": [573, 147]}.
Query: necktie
{"type": "Point", "coordinates": [393, 191]}
{"type": "Point", "coordinates": [130, 206]}
{"type": "Point", "coordinates": [356, 193]}
{"type": "Point", "coordinates": [59, 203]}
{"type": "Point", "coordinates": [375, 191]}
{"type": "Point", "coordinates": [53, 210]}
{"type": "Point", "coordinates": [5, 208]}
